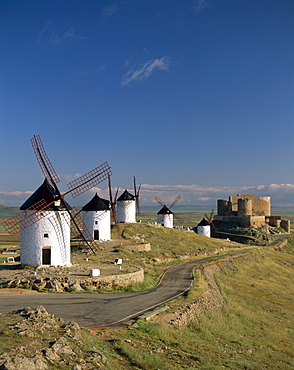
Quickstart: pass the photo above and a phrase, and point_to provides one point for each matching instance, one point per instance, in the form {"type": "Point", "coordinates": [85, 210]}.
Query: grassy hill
{"type": "Point", "coordinates": [254, 330]}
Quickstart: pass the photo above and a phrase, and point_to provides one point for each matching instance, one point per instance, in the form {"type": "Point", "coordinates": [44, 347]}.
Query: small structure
{"type": "Point", "coordinates": [204, 228]}
{"type": "Point", "coordinates": [47, 240]}
{"type": "Point", "coordinates": [96, 218]}
{"type": "Point", "coordinates": [165, 217]}
{"type": "Point", "coordinates": [126, 208]}
{"type": "Point", "coordinates": [94, 272]}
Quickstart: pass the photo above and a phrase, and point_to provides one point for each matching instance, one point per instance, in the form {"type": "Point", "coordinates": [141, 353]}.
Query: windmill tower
{"type": "Point", "coordinates": [96, 218]}
{"type": "Point", "coordinates": [44, 220]}
{"type": "Point", "coordinates": [203, 228]}
{"type": "Point", "coordinates": [165, 216]}
{"type": "Point", "coordinates": [46, 242]}
{"type": "Point", "coordinates": [127, 204]}
{"type": "Point", "coordinates": [126, 207]}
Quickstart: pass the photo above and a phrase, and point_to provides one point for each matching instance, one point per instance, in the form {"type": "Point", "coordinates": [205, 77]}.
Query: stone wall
{"type": "Point", "coordinates": [70, 284]}
{"type": "Point", "coordinates": [143, 247]}
{"type": "Point", "coordinates": [211, 301]}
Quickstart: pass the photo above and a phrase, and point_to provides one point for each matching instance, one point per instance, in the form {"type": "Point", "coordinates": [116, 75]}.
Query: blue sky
{"type": "Point", "coordinates": [194, 97]}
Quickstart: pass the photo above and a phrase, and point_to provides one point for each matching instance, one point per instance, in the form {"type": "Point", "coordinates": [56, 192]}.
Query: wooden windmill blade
{"type": "Point", "coordinates": [175, 201]}
{"type": "Point", "coordinates": [112, 201]}
{"type": "Point", "coordinates": [77, 186]}
{"type": "Point", "coordinates": [159, 201]}
{"type": "Point", "coordinates": [44, 161]}
{"type": "Point", "coordinates": [90, 179]}
{"type": "Point", "coordinates": [91, 245]}
{"type": "Point", "coordinates": [137, 191]}
{"type": "Point", "coordinates": [18, 223]}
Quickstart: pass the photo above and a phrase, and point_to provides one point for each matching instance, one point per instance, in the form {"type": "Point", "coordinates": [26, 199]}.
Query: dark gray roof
{"type": "Point", "coordinates": [165, 211]}
{"type": "Point", "coordinates": [126, 196]}
{"type": "Point", "coordinates": [47, 193]}
{"type": "Point", "coordinates": [203, 222]}
{"type": "Point", "coordinates": [96, 204]}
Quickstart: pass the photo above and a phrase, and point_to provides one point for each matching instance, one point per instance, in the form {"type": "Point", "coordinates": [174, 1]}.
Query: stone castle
{"type": "Point", "coordinates": [247, 210]}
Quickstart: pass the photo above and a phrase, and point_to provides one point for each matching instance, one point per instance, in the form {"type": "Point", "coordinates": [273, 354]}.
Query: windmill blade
{"type": "Point", "coordinates": [19, 222]}
{"type": "Point", "coordinates": [159, 201]}
{"type": "Point", "coordinates": [175, 201]}
{"type": "Point", "coordinates": [137, 191]}
{"type": "Point", "coordinates": [211, 214]}
{"type": "Point", "coordinates": [89, 244]}
{"type": "Point", "coordinates": [44, 162]}
{"type": "Point", "coordinates": [135, 188]}
{"type": "Point", "coordinates": [89, 180]}
{"type": "Point", "coordinates": [112, 202]}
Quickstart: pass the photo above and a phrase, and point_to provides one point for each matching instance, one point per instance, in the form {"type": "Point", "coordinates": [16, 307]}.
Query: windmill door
{"type": "Point", "coordinates": [96, 234]}
{"type": "Point", "coordinates": [46, 256]}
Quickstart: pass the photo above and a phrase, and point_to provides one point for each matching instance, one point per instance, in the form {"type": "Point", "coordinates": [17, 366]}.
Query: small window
{"type": "Point", "coordinates": [46, 235]}
{"type": "Point", "coordinates": [96, 222]}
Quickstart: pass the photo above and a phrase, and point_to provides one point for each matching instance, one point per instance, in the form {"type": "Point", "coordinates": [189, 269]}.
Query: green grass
{"type": "Point", "coordinates": [253, 331]}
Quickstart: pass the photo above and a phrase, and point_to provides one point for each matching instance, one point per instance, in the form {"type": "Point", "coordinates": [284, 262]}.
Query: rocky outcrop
{"type": "Point", "coordinates": [68, 346]}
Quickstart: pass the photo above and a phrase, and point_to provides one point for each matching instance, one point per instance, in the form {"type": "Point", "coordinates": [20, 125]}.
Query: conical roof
{"type": "Point", "coordinates": [47, 193]}
{"type": "Point", "coordinates": [203, 222]}
{"type": "Point", "coordinates": [126, 196]}
{"type": "Point", "coordinates": [165, 211]}
{"type": "Point", "coordinates": [96, 204]}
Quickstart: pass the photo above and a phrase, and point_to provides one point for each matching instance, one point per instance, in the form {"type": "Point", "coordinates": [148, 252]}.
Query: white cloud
{"type": "Point", "coordinates": [146, 70]}
{"type": "Point", "coordinates": [198, 5]}
{"type": "Point", "coordinates": [68, 35]}
{"type": "Point", "coordinates": [108, 11]}
{"type": "Point", "coordinates": [282, 195]}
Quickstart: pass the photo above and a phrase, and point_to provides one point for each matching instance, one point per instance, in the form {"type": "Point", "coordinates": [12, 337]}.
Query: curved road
{"type": "Point", "coordinates": [98, 310]}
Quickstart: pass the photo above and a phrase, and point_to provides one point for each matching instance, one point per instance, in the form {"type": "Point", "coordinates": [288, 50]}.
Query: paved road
{"type": "Point", "coordinates": [97, 310]}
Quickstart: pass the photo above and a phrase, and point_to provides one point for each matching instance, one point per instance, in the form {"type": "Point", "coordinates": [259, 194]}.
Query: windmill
{"type": "Point", "coordinates": [127, 204]}
{"type": "Point", "coordinates": [36, 209]}
{"type": "Point", "coordinates": [96, 218]}
{"type": "Point", "coordinates": [165, 215]}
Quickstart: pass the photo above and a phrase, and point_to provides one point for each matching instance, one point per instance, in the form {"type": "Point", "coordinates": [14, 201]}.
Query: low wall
{"type": "Point", "coordinates": [211, 301]}
{"type": "Point", "coordinates": [66, 284]}
{"type": "Point", "coordinates": [143, 247]}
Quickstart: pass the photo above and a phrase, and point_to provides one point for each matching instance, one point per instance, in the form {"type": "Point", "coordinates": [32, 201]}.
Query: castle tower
{"type": "Point", "coordinates": [165, 217]}
{"type": "Point", "coordinates": [47, 240]}
{"type": "Point", "coordinates": [126, 208]}
{"type": "Point", "coordinates": [96, 218]}
{"type": "Point", "coordinates": [244, 207]}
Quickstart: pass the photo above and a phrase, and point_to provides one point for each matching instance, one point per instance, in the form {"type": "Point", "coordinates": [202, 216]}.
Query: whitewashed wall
{"type": "Point", "coordinates": [166, 220]}
{"type": "Point", "coordinates": [204, 230]}
{"type": "Point", "coordinates": [126, 211]}
{"type": "Point", "coordinates": [32, 240]}
{"type": "Point", "coordinates": [98, 220]}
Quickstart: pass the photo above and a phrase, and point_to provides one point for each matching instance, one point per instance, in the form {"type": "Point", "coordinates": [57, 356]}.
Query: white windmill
{"type": "Point", "coordinates": [46, 242]}
{"type": "Point", "coordinates": [203, 228]}
{"type": "Point", "coordinates": [165, 216]}
{"type": "Point", "coordinates": [44, 219]}
{"type": "Point", "coordinates": [127, 204]}
{"type": "Point", "coordinates": [96, 218]}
